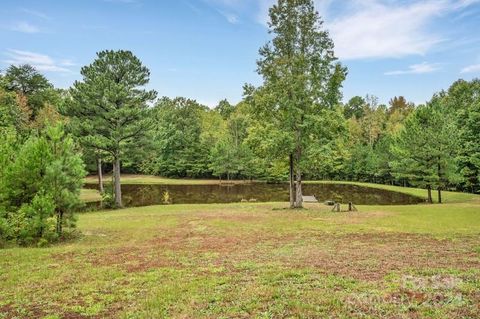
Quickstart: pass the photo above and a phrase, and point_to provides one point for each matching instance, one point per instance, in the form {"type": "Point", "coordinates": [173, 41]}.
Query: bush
{"type": "Point", "coordinates": [33, 221]}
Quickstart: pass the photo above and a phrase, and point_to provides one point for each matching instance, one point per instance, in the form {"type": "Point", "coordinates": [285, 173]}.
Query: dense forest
{"type": "Point", "coordinates": [291, 127]}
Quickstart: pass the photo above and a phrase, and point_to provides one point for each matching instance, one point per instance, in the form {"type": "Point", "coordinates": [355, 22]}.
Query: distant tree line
{"type": "Point", "coordinates": [435, 146]}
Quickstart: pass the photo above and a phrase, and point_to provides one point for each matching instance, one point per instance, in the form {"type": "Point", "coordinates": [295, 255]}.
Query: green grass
{"type": "Point", "coordinates": [254, 260]}
{"type": "Point", "coordinates": [90, 195]}
{"type": "Point", "coordinates": [133, 179]}
{"type": "Point", "coordinates": [447, 196]}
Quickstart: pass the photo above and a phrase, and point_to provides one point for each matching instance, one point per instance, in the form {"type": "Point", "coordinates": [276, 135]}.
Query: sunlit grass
{"type": "Point", "coordinates": [133, 179]}
{"type": "Point", "coordinates": [90, 195]}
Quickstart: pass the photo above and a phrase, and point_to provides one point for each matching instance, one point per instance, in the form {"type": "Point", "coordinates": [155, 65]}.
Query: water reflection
{"type": "Point", "coordinates": [144, 195]}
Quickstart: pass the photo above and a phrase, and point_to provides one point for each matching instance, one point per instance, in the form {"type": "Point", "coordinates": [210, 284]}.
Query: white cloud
{"type": "Point", "coordinates": [380, 28]}
{"type": "Point", "coordinates": [67, 62]}
{"type": "Point", "coordinates": [231, 18]}
{"type": "Point", "coordinates": [474, 68]}
{"type": "Point", "coordinates": [465, 3]}
{"type": "Point", "coordinates": [421, 68]}
{"type": "Point", "coordinates": [377, 30]}
{"type": "Point", "coordinates": [41, 62]}
{"type": "Point", "coordinates": [25, 27]}
{"type": "Point", "coordinates": [37, 14]}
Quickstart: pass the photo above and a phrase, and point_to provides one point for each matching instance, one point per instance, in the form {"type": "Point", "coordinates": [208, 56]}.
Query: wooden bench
{"type": "Point", "coordinates": [309, 199]}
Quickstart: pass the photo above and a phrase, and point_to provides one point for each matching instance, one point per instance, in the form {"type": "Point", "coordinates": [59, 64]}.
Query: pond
{"type": "Point", "coordinates": [144, 195]}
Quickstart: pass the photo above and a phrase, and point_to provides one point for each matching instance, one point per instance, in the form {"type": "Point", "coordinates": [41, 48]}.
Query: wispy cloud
{"type": "Point", "coordinates": [231, 18]}
{"type": "Point", "coordinates": [24, 27]}
{"type": "Point", "coordinates": [378, 30]}
{"type": "Point", "coordinates": [35, 13]}
{"type": "Point", "coordinates": [363, 29]}
{"type": "Point", "coordinates": [67, 62]}
{"type": "Point", "coordinates": [231, 9]}
{"type": "Point", "coordinates": [421, 68]}
{"type": "Point", "coordinates": [41, 62]}
{"type": "Point", "coordinates": [474, 68]}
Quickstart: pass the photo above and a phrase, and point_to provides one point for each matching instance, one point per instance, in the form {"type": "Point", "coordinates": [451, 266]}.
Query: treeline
{"type": "Point", "coordinates": [434, 146]}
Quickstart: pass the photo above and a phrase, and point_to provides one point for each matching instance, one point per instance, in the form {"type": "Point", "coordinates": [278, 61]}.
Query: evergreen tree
{"type": "Point", "coordinates": [425, 149]}
{"type": "Point", "coordinates": [110, 106]}
{"type": "Point", "coordinates": [40, 186]}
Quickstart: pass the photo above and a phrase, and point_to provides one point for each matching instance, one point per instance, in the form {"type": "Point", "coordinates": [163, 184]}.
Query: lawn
{"type": "Point", "coordinates": [254, 260]}
{"type": "Point", "coordinates": [133, 179]}
{"type": "Point", "coordinates": [90, 195]}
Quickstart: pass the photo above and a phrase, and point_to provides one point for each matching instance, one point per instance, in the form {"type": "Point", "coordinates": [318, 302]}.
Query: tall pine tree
{"type": "Point", "coordinates": [109, 106]}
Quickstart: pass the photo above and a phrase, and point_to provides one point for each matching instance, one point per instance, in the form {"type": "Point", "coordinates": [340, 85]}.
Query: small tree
{"type": "Point", "coordinates": [40, 186]}
{"type": "Point", "coordinates": [224, 158]}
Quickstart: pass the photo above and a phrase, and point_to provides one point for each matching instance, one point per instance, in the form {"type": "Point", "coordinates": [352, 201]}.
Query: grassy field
{"type": "Point", "coordinates": [133, 179]}
{"type": "Point", "coordinates": [90, 195]}
{"type": "Point", "coordinates": [254, 260]}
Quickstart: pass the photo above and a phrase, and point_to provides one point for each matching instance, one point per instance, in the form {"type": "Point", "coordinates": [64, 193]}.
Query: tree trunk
{"type": "Point", "coordinates": [100, 175]}
{"type": "Point", "coordinates": [59, 222]}
{"type": "Point", "coordinates": [298, 194]}
{"type": "Point", "coordinates": [292, 184]}
{"type": "Point", "coordinates": [118, 188]}
{"type": "Point", "coordinates": [429, 189]}
{"type": "Point", "coordinates": [439, 195]}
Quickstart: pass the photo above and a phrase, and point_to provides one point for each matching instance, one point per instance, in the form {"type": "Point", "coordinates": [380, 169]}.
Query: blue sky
{"type": "Point", "coordinates": [206, 49]}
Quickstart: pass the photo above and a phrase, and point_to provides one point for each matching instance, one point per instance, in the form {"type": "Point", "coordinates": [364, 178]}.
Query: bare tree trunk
{"type": "Point", "coordinates": [59, 222]}
{"type": "Point", "coordinates": [430, 200]}
{"type": "Point", "coordinates": [100, 175]}
{"type": "Point", "coordinates": [292, 184]}
{"type": "Point", "coordinates": [439, 195]}
{"type": "Point", "coordinates": [298, 199]}
{"type": "Point", "coordinates": [118, 188]}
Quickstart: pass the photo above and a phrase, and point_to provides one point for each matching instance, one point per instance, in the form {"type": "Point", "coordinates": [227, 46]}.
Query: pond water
{"type": "Point", "coordinates": [144, 195]}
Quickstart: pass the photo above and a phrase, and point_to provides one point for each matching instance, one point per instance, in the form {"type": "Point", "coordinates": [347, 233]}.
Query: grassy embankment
{"type": "Point", "coordinates": [255, 260]}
